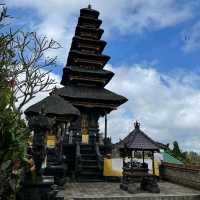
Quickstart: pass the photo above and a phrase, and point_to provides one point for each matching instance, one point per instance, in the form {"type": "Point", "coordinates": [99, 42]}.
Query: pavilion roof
{"type": "Point", "coordinates": [138, 140]}
{"type": "Point", "coordinates": [53, 105]}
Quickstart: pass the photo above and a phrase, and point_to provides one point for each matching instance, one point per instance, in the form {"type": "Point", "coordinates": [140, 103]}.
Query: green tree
{"type": "Point", "coordinates": [193, 158]}
{"type": "Point", "coordinates": [22, 54]}
{"type": "Point", "coordinates": [176, 150]}
{"type": "Point", "coordinates": [32, 70]}
{"type": "Point", "coordinates": [13, 132]}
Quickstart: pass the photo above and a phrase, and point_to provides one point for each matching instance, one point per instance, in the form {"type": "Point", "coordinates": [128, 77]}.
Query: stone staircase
{"type": "Point", "coordinates": [90, 170]}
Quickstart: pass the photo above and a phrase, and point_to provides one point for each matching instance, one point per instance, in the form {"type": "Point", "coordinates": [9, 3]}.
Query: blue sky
{"type": "Point", "coordinates": [154, 47]}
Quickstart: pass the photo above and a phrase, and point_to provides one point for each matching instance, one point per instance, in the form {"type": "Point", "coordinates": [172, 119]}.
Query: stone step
{"type": "Point", "coordinates": [90, 173]}
{"type": "Point", "coordinates": [89, 156]}
{"type": "Point", "coordinates": [60, 195]}
{"type": "Point", "coordinates": [85, 151]}
{"type": "Point", "coordinates": [55, 169]}
{"type": "Point", "coordinates": [88, 161]}
{"type": "Point", "coordinates": [89, 148]}
{"type": "Point", "coordinates": [90, 170]}
{"type": "Point", "coordinates": [90, 178]}
{"type": "Point", "coordinates": [86, 180]}
{"type": "Point", "coordinates": [146, 197]}
{"type": "Point", "coordinates": [85, 146]}
{"type": "Point", "coordinates": [90, 167]}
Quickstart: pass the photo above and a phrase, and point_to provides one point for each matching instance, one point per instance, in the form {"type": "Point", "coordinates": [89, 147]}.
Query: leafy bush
{"type": "Point", "coordinates": [13, 131]}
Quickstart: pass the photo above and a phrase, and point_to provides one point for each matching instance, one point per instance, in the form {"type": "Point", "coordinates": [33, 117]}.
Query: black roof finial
{"type": "Point", "coordinates": [137, 125]}
{"type": "Point", "coordinates": [89, 5]}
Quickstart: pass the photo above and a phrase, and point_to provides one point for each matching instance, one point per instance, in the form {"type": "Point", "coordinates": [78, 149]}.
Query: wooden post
{"type": "Point", "coordinates": [105, 126]}
{"type": "Point", "coordinates": [153, 163]}
{"type": "Point", "coordinates": [123, 160]}
{"type": "Point", "coordinates": [131, 159]}
{"type": "Point", "coordinates": [143, 156]}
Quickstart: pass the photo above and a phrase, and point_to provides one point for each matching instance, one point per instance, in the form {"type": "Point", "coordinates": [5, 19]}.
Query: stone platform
{"type": "Point", "coordinates": [111, 191]}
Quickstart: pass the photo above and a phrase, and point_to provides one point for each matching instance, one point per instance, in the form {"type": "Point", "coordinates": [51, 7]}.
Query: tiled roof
{"type": "Point", "coordinates": [138, 140]}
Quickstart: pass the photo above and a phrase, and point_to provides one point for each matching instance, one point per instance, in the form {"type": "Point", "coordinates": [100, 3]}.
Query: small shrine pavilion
{"type": "Point", "coordinates": [137, 140]}
{"type": "Point", "coordinates": [134, 171]}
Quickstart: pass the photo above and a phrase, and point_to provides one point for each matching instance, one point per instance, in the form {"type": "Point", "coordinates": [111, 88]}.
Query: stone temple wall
{"type": "Point", "coordinates": [180, 174]}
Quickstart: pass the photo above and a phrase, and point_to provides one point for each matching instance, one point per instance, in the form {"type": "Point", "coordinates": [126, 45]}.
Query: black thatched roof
{"type": "Point", "coordinates": [90, 71]}
{"type": "Point", "coordinates": [89, 11]}
{"type": "Point", "coordinates": [53, 105]}
{"type": "Point", "coordinates": [138, 140]}
{"type": "Point", "coordinates": [90, 93]}
{"type": "Point", "coordinates": [99, 76]}
{"type": "Point", "coordinates": [99, 59]}
{"type": "Point", "coordinates": [97, 31]}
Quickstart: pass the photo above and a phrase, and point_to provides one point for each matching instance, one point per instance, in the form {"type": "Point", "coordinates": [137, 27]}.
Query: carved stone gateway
{"type": "Point", "coordinates": [38, 186]}
{"type": "Point", "coordinates": [40, 125]}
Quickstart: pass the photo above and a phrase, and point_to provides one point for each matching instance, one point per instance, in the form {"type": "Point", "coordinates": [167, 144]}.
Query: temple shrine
{"type": "Point", "coordinates": [68, 148]}
{"type": "Point", "coordinates": [84, 79]}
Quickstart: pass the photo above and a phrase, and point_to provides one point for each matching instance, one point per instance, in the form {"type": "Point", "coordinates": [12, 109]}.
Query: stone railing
{"type": "Point", "coordinates": [181, 174]}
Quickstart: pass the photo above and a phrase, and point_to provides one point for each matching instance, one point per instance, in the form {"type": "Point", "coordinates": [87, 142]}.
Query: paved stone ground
{"type": "Point", "coordinates": [112, 190]}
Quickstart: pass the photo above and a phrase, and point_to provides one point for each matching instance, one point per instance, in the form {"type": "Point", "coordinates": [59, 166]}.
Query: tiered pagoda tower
{"type": "Point", "coordinates": [84, 78]}
{"type": "Point", "coordinates": [77, 140]}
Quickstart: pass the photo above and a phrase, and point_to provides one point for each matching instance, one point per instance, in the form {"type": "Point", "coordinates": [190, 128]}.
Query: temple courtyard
{"type": "Point", "coordinates": [67, 144]}
{"type": "Point", "coordinates": [108, 190]}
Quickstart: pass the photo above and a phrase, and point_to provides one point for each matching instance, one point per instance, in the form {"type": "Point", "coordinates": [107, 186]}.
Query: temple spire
{"type": "Point", "coordinates": [86, 60]}
{"type": "Point", "coordinates": [89, 6]}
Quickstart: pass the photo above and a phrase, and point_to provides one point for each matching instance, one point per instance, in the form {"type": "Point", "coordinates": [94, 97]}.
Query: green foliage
{"type": "Point", "coordinates": [192, 158]}
{"type": "Point", "coordinates": [13, 131]}
{"type": "Point", "coordinates": [22, 56]}
{"type": "Point", "coordinates": [176, 150]}
{"type": "Point", "coordinates": [188, 158]}
{"type": "Point", "coordinates": [13, 142]}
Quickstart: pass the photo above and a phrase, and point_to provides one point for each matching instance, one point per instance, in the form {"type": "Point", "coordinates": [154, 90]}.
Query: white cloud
{"type": "Point", "coordinates": [191, 38]}
{"type": "Point", "coordinates": [59, 17]}
{"type": "Point", "coordinates": [168, 107]}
